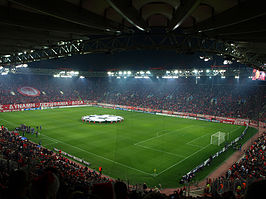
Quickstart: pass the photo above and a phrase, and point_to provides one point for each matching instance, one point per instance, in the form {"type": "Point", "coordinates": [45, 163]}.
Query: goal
{"type": "Point", "coordinates": [218, 138]}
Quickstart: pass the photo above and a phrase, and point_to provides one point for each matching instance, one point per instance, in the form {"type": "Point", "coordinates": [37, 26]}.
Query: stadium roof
{"type": "Point", "coordinates": [40, 30]}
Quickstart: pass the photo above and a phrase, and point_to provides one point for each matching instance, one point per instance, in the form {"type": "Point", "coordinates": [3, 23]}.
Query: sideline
{"type": "Point", "coordinates": [121, 164]}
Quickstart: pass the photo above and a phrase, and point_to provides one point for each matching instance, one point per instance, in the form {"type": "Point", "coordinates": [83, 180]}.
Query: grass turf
{"type": "Point", "coordinates": [131, 149]}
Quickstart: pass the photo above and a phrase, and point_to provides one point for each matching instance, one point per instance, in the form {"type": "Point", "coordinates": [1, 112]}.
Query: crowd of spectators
{"type": "Point", "coordinates": [229, 99]}
{"type": "Point", "coordinates": [39, 163]}
{"type": "Point", "coordinates": [250, 168]}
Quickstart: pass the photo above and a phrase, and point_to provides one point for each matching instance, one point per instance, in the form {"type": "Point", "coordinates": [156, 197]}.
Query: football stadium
{"type": "Point", "coordinates": [132, 99]}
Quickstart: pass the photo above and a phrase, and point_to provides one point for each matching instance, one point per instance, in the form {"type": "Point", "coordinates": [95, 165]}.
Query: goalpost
{"type": "Point", "coordinates": [218, 138]}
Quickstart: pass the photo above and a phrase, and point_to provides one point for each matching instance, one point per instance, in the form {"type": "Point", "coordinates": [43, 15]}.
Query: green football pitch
{"type": "Point", "coordinates": [143, 148]}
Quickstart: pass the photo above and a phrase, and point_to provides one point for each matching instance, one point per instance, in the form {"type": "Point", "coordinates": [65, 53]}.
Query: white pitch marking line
{"type": "Point", "coordinates": [195, 145]}
{"type": "Point", "coordinates": [50, 144]}
{"type": "Point", "coordinates": [161, 135]}
{"type": "Point", "coordinates": [235, 129]}
{"type": "Point", "coordinates": [157, 133]}
{"type": "Point", "coordinates": [102, 157]}
{"type": "Point", "coordinates": [190, 156]}
{"type": "Point", "coordinates": [196, 139]}
{"type": "Point", "coordinates": [182, 160]}
{"type": "Point", "coordinates": [159, 150]}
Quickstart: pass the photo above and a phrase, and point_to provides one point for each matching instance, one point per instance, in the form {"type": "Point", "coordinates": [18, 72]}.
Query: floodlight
{"type": "Point", "coordinates": [227, 62]}
{"type": "Point", "coordinates": [223, 77]}
{"type": "Point", "coordinates": [166, 77]}
{"type": "Point", "coordinates": [207, 71]}
{"type": "Point", "coordinates": [22, 66]}
{"type": "Point", "coordinates": [81, 77]}
{"type": "Point", "coordinates": [129, 72]}
{"type": "Point", "coordinates": [236, 77]}
{"type": "Point", "coordinates": [120, 72]}
{"type": "Point", "coordinates": [66, 76]}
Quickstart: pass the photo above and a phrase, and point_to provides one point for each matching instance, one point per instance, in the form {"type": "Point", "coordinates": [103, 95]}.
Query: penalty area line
{"type": "Point", "coordinates": [121, 164]}
{"type": "Point", "coordinates": [196, 139]}
{"type": "Point", "coordinates": [195, 145]}
{"type": "Point", "coordinates": [182, 160]}
{"type": "Point", "coordinates": [158, 150]}
{"type": "Point", "coordinates": [176, 130]}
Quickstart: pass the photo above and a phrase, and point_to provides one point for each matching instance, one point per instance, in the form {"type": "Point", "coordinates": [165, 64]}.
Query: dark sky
{"type": "Point", "coordinates": [138, 60]}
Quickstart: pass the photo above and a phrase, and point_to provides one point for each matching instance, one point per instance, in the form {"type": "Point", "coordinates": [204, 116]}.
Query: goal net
{"type": "Point", "coordinates": [218, 138]}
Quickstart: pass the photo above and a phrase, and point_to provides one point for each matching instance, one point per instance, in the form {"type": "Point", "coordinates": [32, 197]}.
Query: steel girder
{"type": "Point", "coordinates": [109, 44]}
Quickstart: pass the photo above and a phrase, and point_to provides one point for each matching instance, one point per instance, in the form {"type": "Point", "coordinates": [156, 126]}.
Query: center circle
{"type": "Point", "coordinates": [102, 118]}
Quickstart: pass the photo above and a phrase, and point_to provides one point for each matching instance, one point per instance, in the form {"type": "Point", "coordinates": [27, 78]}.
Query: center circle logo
{"type": "Point", "coordinates": [102, 118]}
{"type": "Point", "coordinates": [29, 91]}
